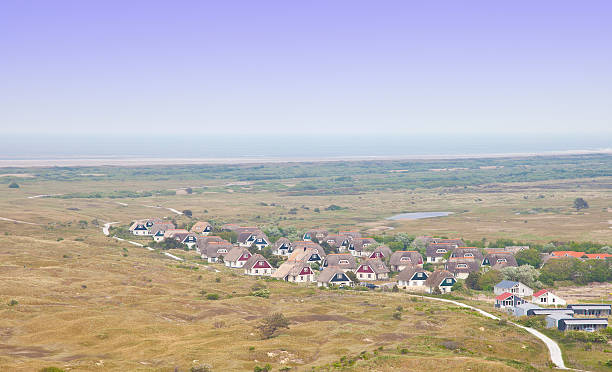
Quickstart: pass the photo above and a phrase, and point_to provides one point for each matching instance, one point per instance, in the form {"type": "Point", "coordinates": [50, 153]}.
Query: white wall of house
{"type": "Point", "coordinates": [549, 299]}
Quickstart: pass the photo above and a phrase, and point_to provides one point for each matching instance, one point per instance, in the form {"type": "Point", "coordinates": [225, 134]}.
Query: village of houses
{"type": "Point", "coordinates": [362, 260]}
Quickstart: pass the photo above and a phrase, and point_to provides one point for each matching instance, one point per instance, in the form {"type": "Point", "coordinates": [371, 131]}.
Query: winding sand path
{"type": "Point", "coordinates": [553, 348]}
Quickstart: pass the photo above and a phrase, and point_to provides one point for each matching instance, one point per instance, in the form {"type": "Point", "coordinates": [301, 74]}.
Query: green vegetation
{"type": "Point", "coordinates": [13, 185]}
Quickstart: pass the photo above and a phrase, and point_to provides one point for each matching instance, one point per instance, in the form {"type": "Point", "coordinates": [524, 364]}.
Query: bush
{"type": "Point", "coordinates": [201, 368]}
{"type": "Point", "coordinates": [266, 368]}
{"type": "Point", "coordinates": [13, 185]}
{"type": "Point", "coordinates": [264, 293]}
{"type": "Point", "coordinates": [271, 324]}
{"type": "Point", "coordinates": [51, 369]}
{"type": "Point", "coordinates": [13, 303]}
{"type": "Point", "coordinates": [212, 296]}
{"type": "Point", "coordinates": [397, 315]}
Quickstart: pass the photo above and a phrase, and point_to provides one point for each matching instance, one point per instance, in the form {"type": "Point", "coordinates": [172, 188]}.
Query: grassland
{"type": "Point", "coordinates": [87, 302]}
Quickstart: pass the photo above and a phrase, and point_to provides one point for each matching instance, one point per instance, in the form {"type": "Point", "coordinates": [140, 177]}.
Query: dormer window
{"type": "Point", "coordinates": [441, 250]}
{"type": "Point", "coordinates": [501, 260]}
{"type": "Point", "coordinates": [343, 262]}
{"type": "Point", "coordinates": [462, 266]}
{"type": "Point", "coordinates": [405, 259]}
{"type": "Point", "coordinates": [468, 254]}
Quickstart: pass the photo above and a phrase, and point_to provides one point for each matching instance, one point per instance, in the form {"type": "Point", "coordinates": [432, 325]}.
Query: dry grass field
{"type": "Point", "coordinates": [90, 306]}
{"type": "Point", "coordinates": [86, 302]}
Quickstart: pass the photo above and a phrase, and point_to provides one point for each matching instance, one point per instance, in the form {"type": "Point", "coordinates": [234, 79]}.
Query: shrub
{"type": "Point", "coordinates": [397, 315]}
{"type": "Point", "coordinates": [212, 296]}
{"type": "Point", "coordinates": [51, 369]}
{"type": "Point", "coordinates": [188, 212]}
{"type": "Point", "coordinates": [264, 293]}
{"type": "Point", "coordinates": [13, 185]}
{"type": "Point", "coordinates": [218, 280]}
{"type": "Point", "coordinates": [266, 368]}
{"type": "Point", "coordinates": [271, 324]}
{"type": "Point", "coordinates": [13, 303]}
{"type": "Point", "coordinates": [201, 368]}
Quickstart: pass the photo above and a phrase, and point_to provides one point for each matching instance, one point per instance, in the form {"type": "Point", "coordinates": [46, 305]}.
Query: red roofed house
{"type": "Point", "coordinates": [258, 265]}
{"type": "Point", "coordinates": [598, 256]}
{"type": "Point", "coordinates": [545, 297]}
{"type": "Point", "coordinates": [567, 254]}
{"type": "Point", "coordinates": [506, 299]}
{"type": "Point", "coordinates": [372, 269]}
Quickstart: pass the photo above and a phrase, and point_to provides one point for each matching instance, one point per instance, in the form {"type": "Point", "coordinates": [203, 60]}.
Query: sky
{"type": "Point", "coordinates": [306, 67]}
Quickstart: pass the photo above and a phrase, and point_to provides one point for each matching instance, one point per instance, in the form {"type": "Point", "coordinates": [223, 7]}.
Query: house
{"type": "Point", "coordinates": [462, 267]}
{"type": "Point", "coordinates": [333, 275]}
{"type": "Point", "coordinates": [215, 251]}
{"type": "Point", "coordinates": [591, 309]}
{"type": "Point", "coordinates": [253, 238]}
{"type": "Point", "coordinates": [522, 309]}
{"type": "Point", "coordinates": [358, 247]}
{"type": "Point", "coordinates": [558, 254]}
{"type": "Point", "coordinates": [258, 265]}
{"type": "Point", "coordinates": [237, 257]}
{"type": "Point", "coordinates": [189, 239]}
{"type": "Point", "coordinates": [309, 255]}
{"type": "Point", "coordinates": [316, 235]}
{"type": "Point", "coordinates": [552, 320]}
{"type": "Point", "coordinates": [506, 300]}
{"type": "Point", "coordinates": [545, 297]}
{"type": "Point", "coordinates": [582, 324]}
{"type": "Point", "coordinates": [282, 247]}
{"type": "Point", "coordinates": [597, 256]}
{"type": "Point", "coordinates": [201, 227]}
{"type": "Point", "coordinates": [411, 277]}
{"type": "Point", "coordinates": [143, 227]}
{"type": "Point", "coordinates": [159, 236]}
{"type": "Point", "coordinates": [457, 242]}
{"type": "Point", "coordinates": [295, 272]}
{"type": "Point", "coordinates": [498, 260]}
{"type": "Point", "coordinates": [344, 261]}
{"type": "Point", "coordinates": [441, 280]}
{"type": "Point", "coordinates": [382, 251]}
{"type": "Point", "coordinates": [339, 242]}
{"type": "Point", "coordinates": [516, 288]}
{"type": "Point", "coordinates": [402, 259]}
{"type": "Point", "coordinates": [468, 252]}
{"type": "Point", "coordinates": [548, 311]}
{"type": "Point", "coordinates": [435, 252]}
{"type": "Point", "coordinates": [202, 241]}
{"type": "Point", "coordinates": [170, 233]}
{"type": "Point", "coordinates": [513, 249]}
{"type": "Point", "coordinates": [372, 269]}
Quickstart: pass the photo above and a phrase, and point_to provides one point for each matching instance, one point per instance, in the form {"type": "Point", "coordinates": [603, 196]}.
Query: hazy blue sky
{"type": "Point", "coordinates": [306, 66]}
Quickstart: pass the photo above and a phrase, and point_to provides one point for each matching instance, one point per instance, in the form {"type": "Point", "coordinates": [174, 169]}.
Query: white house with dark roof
{"type": "Point", "coordinates": [237, 257]}
{"type": "Point", "coordinates": [412, 277]}
{"type": "Point", "coordinates": [333, 275]}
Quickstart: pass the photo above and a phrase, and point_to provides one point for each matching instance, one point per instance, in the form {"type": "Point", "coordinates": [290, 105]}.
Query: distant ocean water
{"type": "Point", "coordinates": [320, 146]}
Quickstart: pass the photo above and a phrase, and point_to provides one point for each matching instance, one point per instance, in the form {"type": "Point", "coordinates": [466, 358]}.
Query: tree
{"type": "Point", "coordinates": [13, 185]}
{"type": "Point", "coordinates": [271, 324]}
{"type": "Point", "coordinates": [188, 213]}
{"type": "Point", "coordinates": [488, 280]}
{"type": "Point", "coordinates": [529, 256]}
{"type": "Point", "coordinates": [189, 190]}
{"type": "Point", "coordinates": [580, 203]}
{"type": "Point", "coordinates": [525, 274]}
{"type": "Point", "coordinates": [472, 280]}
{"type": "Point", "coordinates": [352, 276]}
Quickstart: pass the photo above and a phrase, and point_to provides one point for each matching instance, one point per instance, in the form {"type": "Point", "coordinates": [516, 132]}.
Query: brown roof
{"type": "Point", "coordinates": [200, 226]}
{"type": "Point", "coordinates": [299, 255]}
{"type": "Point", "coordinates": [328, 273]}
{"type": "Point", "coordinates": [386, 251]}
{"type": "Point", "coordinates": [234, 254]}
{"type": "Point", "coordinates": [409, 272]}
{"type": "Point", "coordinates": [431, 250]}
{"type": "Point", "coordinates": [253, 260]}
{"type": "Point", "coordinates": [281, 241]}
{"type": "Point", "coordinates": [289, 268]}
{"type": "Point", "coordinates": [358, 243]}
{"type": "Point", "coordinates": [334, 260]}
{"type": "Point", "coordinates": [414, 256]}
{"type": "Point", "coordinates": [493, 257]}
{"type": "Point", "coordinates": [437, 277]}
{"type": "Point", "coordinates": [455, 265]}
{"type": "Point", "coordinates": [462, 251]}
{"type": "Point", "coordinates": [376, 264]}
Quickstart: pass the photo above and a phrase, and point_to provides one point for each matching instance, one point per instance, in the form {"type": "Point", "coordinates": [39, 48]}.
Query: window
{"type": "Point", "coordinates": [441, 251]}
{"type": "Point", "coordinates": [256, 271]}
{"type": "Point", "coordinates": [405, 259]}
{"type": "Point", "coordinates": [339, 276]}
{"type": "Point", "coordinates": [369, 276]}
{"type": "Point", "coordinates": [462, 266]}
{"type": "Point", "coordinates": [343, 262]}
{"type": "Point", "coordinates": [468, 254]}
{"type": "Point", "coordinates": [501, 260]}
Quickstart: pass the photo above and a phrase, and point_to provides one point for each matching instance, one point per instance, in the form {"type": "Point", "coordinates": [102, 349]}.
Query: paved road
{"type": "Point", "coordinates": [553, 348]}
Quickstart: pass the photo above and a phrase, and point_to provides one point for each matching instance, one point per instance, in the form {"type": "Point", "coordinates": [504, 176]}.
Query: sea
{"type": "Point", "coordinates": [312, 146]}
